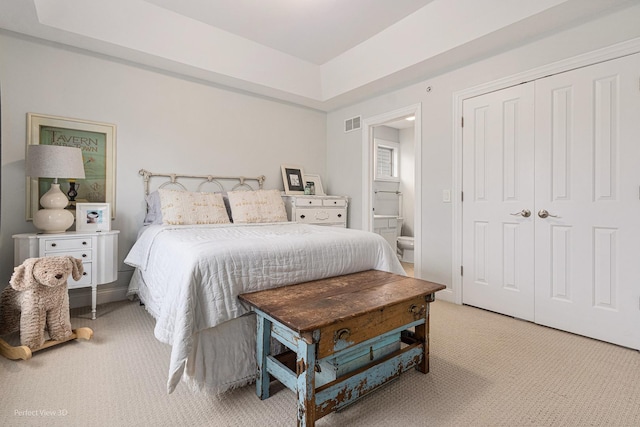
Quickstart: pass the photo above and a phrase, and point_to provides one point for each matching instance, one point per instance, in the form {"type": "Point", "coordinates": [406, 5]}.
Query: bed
{"type": "Point", "coordinates": [190, 268]}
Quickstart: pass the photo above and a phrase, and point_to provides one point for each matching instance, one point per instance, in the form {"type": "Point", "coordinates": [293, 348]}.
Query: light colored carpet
{"type": "Point", "coordinates": [486, 370]}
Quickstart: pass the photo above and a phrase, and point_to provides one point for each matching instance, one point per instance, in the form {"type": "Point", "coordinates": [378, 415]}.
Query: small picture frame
{"type": "Point", "coordinates": [293, 179]}
{"type": "Point", "coordinates": [317, 183]}
{"type": "Point", "coordinates": [93, 217]}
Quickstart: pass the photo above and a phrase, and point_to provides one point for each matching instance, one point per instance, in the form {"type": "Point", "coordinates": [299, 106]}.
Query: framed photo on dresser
{"type": "Point", "coordinates": [317, 183]}
{"type": "Point", "coordinates": [293, 179]}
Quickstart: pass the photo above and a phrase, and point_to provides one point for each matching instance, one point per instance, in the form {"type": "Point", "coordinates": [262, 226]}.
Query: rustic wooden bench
{"type": "Point", "coordinates": [348, 335]}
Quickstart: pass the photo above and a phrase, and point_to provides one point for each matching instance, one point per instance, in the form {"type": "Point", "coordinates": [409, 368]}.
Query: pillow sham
{"type": "Point", "coordinates": [257, 206]}
{"type": "Point", "coordinates": [187, 208]}
{"type": "Point", "coordinates": [154, 209]}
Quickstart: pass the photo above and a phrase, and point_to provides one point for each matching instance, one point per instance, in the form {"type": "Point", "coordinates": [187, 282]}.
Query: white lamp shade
{"type": "Point", "coordinates": [54, 161]}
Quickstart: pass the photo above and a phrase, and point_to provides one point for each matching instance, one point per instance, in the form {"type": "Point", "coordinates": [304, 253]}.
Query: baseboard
{"type": "Point", "coordinates": [110, 292]}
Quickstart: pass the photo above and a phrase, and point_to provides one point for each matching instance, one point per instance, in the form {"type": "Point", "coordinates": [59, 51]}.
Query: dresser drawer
{"type": "Point", "coordinates": [51, 245]}
{"type": "Point", "coordinates": [319, 216]}
{"type": "Point", "coordinates": [300, 201]}
{"type": "Point", "coordinates": [347, 333]}
{"type": "Point", "coordinates": [334, 202]}
{"type": "Point", "coordinates": [85, 280]}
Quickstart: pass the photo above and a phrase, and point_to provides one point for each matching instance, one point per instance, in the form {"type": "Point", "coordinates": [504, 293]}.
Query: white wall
{"type": "Point", "coordinates": [344, 150]}
{"type": "Point", "coordinates": [164, 124]}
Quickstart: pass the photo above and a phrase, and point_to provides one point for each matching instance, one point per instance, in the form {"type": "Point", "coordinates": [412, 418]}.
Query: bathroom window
{"type": "Point", "coordinates": [387, 164]}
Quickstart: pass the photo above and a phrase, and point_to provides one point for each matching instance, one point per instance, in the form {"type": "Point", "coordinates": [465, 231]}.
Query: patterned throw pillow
{"type": "Point", "coordinates": [186, 208]}
{"type": "Point", "coordinates": [257, 206]}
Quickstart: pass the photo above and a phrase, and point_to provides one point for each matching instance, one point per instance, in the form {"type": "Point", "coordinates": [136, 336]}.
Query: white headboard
{"type": "Point", "coordinates": [203, 183]}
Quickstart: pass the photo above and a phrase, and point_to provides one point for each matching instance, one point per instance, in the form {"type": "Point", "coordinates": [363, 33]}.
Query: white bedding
{"type": "Point", "coordinates": [192, 276]}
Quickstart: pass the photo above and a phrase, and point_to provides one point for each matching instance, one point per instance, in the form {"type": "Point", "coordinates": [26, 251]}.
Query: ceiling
{"type": "Point", "coordinates": [322, 54]}
{"type": "Point", "coordinates": [312, 30]}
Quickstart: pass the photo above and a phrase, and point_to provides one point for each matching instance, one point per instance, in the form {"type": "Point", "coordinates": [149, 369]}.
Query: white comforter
{"type": "Point", "coordinates": [195, 273]}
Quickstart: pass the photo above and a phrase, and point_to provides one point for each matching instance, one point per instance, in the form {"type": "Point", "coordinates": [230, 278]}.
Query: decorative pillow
{"type": "Point", "coordinates": [154, 209]}
{"type": "Point", "coordinates": [186, 207]}
{"type": "Point", "coordinates": [257, 206]}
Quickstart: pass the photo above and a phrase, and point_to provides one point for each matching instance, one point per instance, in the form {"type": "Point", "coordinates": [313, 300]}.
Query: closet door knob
{"type": "Point", "coordinates": [544, 214]}
{"type": "Point", "coordinates": [524, 212]}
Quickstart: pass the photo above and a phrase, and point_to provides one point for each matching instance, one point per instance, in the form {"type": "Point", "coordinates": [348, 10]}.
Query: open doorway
{"type": "Point", "coordinates": [391, 182]}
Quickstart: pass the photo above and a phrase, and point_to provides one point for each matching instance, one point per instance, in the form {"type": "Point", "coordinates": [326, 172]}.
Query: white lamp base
{"type": "Point", "coordinates": [54, 218]}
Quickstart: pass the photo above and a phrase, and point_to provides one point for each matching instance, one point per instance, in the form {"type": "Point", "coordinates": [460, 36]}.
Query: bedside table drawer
{"type": "Point", "coordinates": [51, 245]}
{"type": "Point", "coordinates": [83, 255]}
{"type": "Point", "coordinates": [85, 280]}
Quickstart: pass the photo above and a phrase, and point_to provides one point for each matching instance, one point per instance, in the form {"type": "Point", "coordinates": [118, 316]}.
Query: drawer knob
{"type": "Point", "coordinates": [84, 255]}
{"type": "Point", "coordinates": [339, 215]}
{"type": "Point", "coordinates": [302, 216]}
{"type": "Point", "coordinates": [53, 245]}
{"type": "Point", "coordinates": [84, 243]}
{"type": "Point", "coordinates": [84, 273]}
{"type": "Point", "coordinates": [418, 311]}
{"type": "Point", "coordinates": [342, 334]}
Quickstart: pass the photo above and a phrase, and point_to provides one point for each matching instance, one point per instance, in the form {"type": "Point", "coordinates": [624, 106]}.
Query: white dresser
{"type": "Point", "coordinates": [319, 210]}
{"type": "Point", "coordinates": [98, 252]}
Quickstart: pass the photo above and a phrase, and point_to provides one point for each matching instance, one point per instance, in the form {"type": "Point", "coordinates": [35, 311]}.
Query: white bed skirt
{"type": "Point", "coordinates": [230, 341]}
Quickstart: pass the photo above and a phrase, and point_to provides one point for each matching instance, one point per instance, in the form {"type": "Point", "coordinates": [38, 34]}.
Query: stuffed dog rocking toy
{"type": "Point", "coordinates": [38, 299]}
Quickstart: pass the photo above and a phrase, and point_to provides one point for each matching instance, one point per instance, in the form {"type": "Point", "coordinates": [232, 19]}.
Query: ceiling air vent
{"type": "Point", "coordinates": [352, 124]}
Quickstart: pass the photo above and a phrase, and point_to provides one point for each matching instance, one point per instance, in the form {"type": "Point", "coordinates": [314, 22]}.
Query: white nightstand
{"type": "Point", "coordinates": [98, 252]}
{"type": "Point", "coordinates": [319, 210]}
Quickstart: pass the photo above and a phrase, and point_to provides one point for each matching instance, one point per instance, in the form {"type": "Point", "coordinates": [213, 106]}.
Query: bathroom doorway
{"type": "Point", "coordinates": [391, 185]}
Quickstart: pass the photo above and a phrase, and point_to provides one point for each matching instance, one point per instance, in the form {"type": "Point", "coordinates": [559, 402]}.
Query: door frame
{"type": "Point", "coordinates": [368, 148]}
{"type": "Point", "coordinates": [605, 54]}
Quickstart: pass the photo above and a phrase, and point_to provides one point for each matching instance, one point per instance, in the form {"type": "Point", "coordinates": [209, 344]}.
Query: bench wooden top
{"type": "Point", "coordinates": [308, 306]}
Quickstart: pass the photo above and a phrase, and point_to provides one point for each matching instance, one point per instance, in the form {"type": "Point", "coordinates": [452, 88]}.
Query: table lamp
{"type": "Point", "coordinates": [54, 161]}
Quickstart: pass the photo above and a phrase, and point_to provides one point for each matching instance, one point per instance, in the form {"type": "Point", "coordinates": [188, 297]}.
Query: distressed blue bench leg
{"type": "Point", "coordinates": [422, 335]}
{"type": "Point", "coordinates": [263, 348]}
{"type": "Point", "coordinates": [306, 381]}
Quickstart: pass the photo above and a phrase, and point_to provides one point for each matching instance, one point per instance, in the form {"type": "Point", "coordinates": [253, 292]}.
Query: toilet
{"type": "Point", "coordinates": [405, 248]}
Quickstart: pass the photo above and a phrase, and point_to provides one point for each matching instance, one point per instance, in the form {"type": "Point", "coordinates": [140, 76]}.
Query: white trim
{"type": "Point", "coordinates": [618, 50]}
{"type": "Point", "coordinates": [108, 292]}
{"type": "Point", "coordinates": [367, 173]}
{"type": "Point", "coordinates": [81, 297]}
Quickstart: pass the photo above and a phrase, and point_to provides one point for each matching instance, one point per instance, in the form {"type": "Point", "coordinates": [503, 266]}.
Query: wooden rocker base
{"type": "Point", "coordinates": [23, 352]}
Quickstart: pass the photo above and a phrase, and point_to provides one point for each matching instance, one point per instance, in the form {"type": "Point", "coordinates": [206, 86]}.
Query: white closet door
{"type": "Point", "coordinates": [587, 134]}
{"type": "Point", "coordinates": [498, 156]}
